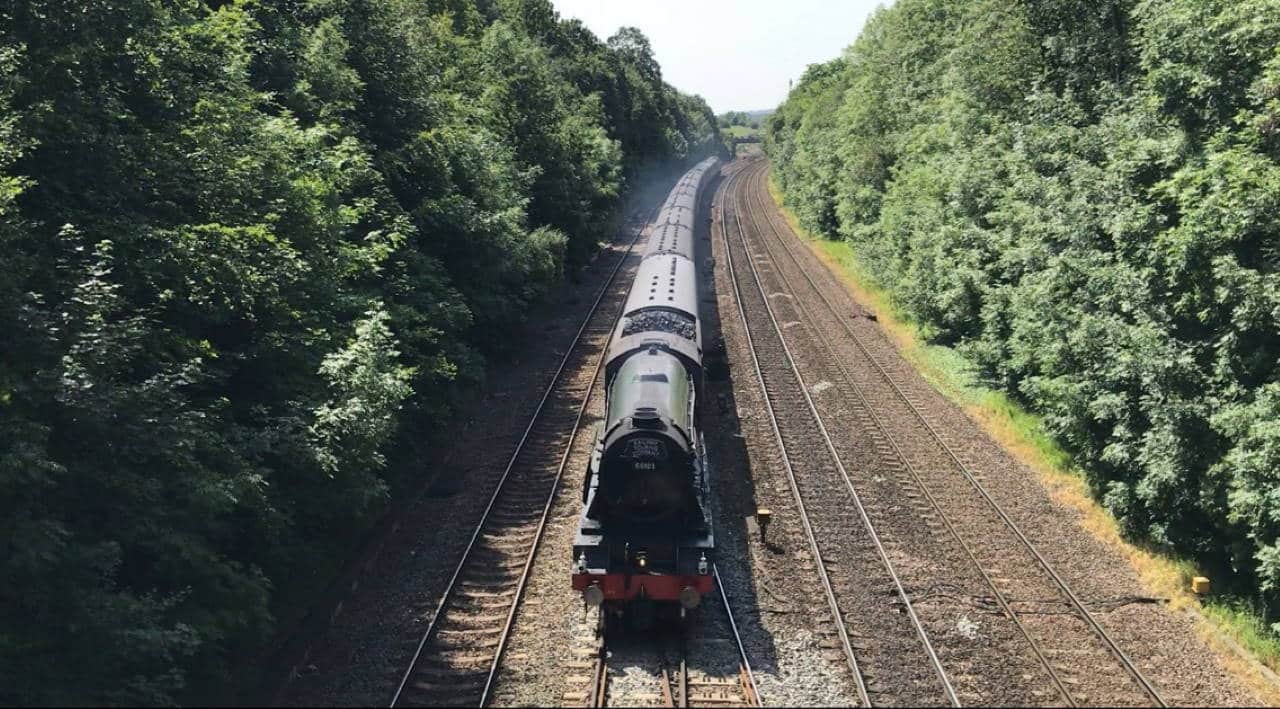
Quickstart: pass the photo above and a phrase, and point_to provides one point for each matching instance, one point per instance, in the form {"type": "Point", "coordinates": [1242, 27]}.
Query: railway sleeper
{"type": "Point", "coordinates": [515, 522]}
{"type": "Point", "coordinates": [532, 490]}
{"type": "Point", "coordinates": [517, 502]}
{"type": "Point", "coordinates": [453, 641]}
{"type": "Point", "coordinates": [478, 622]}
{"type": "Point", "coordinates": [510, 516]}
{"type": "Point", "coordinates": [476, 586]}
{"type": "Point", "coordinates": [715, 683]}
{"type": "Point", "coordinates": [1077, 651]}
{"type": "Point", "coordinates": [487, 575]}
{"type": "Point", "coordinates": [452, 625]}
{"type": "Point", "coordinates": [459, 626]}
{"type": "Point", "coordinates": [496, 560]}
{"type": "Point", "coordinates": [541, 454]}
{"type": "Point", "coordinates": [472, 604]}
{"type": "Point", "coordinates": [437, 665]}
{"type": "Point", "coordinates": [444, 675]}
{"type": "Point", "coordinates": [452, 686]}
{"type": "Point", "coordinates": [514, 513]}
{"type": "Point", "coordinates": [507, 542]}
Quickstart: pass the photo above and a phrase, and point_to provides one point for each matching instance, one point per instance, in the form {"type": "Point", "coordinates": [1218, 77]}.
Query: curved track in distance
{"type": "Point", "coordinates": [888, 650]}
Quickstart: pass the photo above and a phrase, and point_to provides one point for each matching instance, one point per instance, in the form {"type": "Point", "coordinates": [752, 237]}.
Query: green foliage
{"type": "Point", "coordinates": [1082, 198]}
{"type": "Point", "coordinates": [367, 388]}
{"type": "Point", "coordinates": [255, 252]}
{"type": "Point", "coordinates": [733, 118]}
{"type": "Point", "coordinates": [744, 119]}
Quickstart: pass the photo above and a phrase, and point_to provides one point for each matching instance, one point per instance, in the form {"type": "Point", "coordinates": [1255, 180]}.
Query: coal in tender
{"type": "Point", "coordinates": [660, 321]}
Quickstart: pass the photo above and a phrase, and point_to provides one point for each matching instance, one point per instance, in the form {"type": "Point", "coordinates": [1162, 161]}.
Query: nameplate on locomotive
{"type": "Point", "coordinates": [645, 450]}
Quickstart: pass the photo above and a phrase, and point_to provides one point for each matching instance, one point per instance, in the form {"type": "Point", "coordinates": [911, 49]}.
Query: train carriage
{"type": "Point", "coordinates": [645, 536]}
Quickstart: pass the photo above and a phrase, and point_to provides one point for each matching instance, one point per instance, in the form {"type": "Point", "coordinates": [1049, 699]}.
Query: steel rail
{"type": "Point", "coordinates": [667, 699]}
{"type": "Point", "coordinates": [832, 602]}
{"type": "Point", "coordinates": [754, 692]}
{"type": "Point", "coordinates": [923, 636]}
{"type": "Point", "coordinates": [506, 473]}
{"type": "Point", "coordinates": [880, 424]}
{"type": "Point", "coordinates": [1083, 612]}
{"type": "Point", "coordinates": [546, 512]}
{"type": "Point", "coordinates": [680, 696]}
{"type": "Point", "coordinates": [683, 694]}
{"type": "Point", "coordinates": [600, 682]}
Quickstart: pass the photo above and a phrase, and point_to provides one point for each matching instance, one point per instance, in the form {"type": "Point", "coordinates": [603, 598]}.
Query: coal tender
{"type": "Point", "coordinates": [645, 541]}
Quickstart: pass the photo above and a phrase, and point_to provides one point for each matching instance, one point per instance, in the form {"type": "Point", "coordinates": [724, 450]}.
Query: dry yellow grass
{"type": "Point", "coordinates": [1161, 576]}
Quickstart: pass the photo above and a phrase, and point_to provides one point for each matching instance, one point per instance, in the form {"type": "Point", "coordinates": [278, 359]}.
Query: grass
{"type": "Point", "coordinates": [1247, 627]}
{"type": "Point", "coordinates": [740, 131]}
{"type": "Point", "coordinates": [1229, 626]}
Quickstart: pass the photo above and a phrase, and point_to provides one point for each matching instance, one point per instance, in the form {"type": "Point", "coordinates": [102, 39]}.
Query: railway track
{"type": "Point", "coordinates": [1081, 661]}
{"type": "Point", "coordinates": [884, 643]}
{"type": "Point", "coordinates": [456, 658]}
{"type": "Point", "coordinates": [706, 666]}
{"type": "Point", "coordinates": [889, 483]}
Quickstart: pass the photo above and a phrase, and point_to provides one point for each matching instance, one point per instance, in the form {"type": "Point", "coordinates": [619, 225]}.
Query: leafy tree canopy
{"type": "Point", "coordinates": [254, 251]}
{"type": "Point", "coordinates": [1084, 197]}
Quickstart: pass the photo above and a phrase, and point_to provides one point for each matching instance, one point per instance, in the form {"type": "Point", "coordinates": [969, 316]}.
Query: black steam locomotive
{"type": "Point", "coordinates": [645, 538]}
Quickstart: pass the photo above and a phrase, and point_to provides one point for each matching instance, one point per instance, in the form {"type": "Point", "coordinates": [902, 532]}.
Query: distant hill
{"type": "Point", "coordinates": [743, 123]}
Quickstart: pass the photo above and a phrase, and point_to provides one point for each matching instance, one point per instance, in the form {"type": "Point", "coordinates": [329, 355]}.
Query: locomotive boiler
{"type": "Point", "coordinates": [645, 540]}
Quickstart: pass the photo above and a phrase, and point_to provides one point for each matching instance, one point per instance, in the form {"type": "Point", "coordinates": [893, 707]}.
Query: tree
{"type": "Point", "coordinates": [255, 252]}
{"type": "Point", "coordinates": [1081, 198]}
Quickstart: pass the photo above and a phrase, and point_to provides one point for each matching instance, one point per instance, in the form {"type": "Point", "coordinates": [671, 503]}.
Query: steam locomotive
{"type": "Point", "coordinates": [645, 541]}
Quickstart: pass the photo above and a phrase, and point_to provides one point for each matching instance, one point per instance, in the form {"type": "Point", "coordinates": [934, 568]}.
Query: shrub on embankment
{"type": "Point", "coordinates": [252, 251]}
{"type": "Point", "coordinates": [1083, 198]}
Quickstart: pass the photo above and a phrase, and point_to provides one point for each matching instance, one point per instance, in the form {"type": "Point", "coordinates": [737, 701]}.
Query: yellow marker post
{"type": "Point", "coordinates": [763, 515]}
{"type": "Point", "coordinates": [1200, 585]}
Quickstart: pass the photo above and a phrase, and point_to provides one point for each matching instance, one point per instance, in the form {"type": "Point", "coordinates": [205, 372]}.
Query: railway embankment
{"type": "Point", "coordinates": [1032, 553]}
{"type": "Point", "coordinates": [1089, 230]}
{"type": "Point", "coordinates": [368, 643]}
{"type": "Point", "coordinates": [1239, 638]}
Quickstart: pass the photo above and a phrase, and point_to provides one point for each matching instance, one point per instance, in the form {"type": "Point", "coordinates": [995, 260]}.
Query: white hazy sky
{"type": "Point", "coordinates": [737, 54]}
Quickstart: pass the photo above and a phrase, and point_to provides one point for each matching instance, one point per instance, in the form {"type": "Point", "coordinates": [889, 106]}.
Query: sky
{"type": "Point", "coordinates": [737, 54]}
